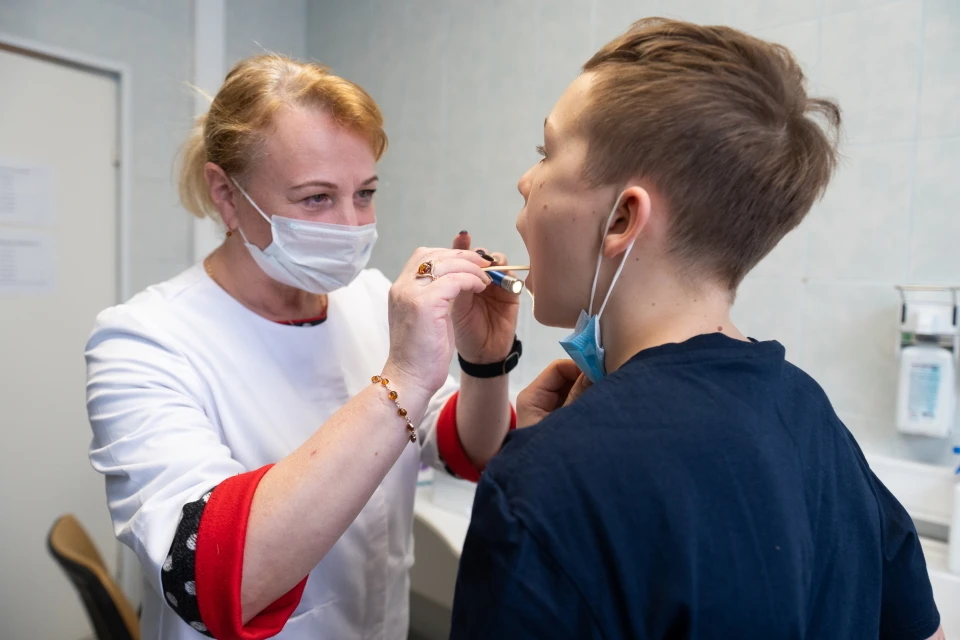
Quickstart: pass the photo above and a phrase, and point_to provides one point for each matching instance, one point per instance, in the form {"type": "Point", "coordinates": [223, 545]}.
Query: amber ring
{"type": "Point", "coordinates": [425, 270]}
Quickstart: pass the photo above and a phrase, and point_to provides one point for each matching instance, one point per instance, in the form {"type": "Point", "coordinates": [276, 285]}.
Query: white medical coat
{"type": "Point", "coordinates": [186, 387]}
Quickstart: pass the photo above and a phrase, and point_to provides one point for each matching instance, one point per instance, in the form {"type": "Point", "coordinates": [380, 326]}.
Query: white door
{"type": "Point", "coordinates": [58, 136]}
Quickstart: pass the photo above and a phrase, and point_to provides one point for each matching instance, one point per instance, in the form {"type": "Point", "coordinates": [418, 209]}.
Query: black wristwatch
{"type": "Point", "coordinates": [494, 369]}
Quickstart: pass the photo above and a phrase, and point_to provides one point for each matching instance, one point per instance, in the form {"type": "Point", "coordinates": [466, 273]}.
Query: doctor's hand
{"type": "Point", "coordinates": [560, 384]}
{"type": "Point", "coordinates": [421, 328]}
{"type": "Point", "coordinates": [485, 324]}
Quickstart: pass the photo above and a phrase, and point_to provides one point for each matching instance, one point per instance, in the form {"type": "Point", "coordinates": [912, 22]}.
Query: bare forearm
{"type": "Point", "coordinates": [483, 416]}
{"type": "Point", "coordinates": [308, 500]}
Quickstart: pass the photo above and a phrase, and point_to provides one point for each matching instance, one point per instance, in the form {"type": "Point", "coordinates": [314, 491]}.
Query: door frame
{"type": "Point", "coordinates": [124, 152]}
{"type": "Point", "coordinates": [127, 568]}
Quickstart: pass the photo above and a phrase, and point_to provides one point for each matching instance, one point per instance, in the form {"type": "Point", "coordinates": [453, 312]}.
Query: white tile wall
{"type": "Point", "coordinates": [848, 345]}
{"type": "Point", "coordinates": [803, 40]}
{"type": "Point", "coordinates": [870, 61]}
{"type": "Point", "coordinates": [891, 215]}
{"type": "Point", "coordinates": [935, 237]}
{"type": "Point", "coordinates": [772, 309]}
{"type": "Point", "coordinates": [940, 74]}
{"type": "Point", "coordinates": [786, 14]}
{"type": "Point", "coordinates": [858, 230]}
{"type": "Point", "coordinates": [789, 258]}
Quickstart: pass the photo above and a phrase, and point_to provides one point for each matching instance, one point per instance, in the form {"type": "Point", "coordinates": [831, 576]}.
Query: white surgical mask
{"type": "Point", "coordinates": [584, 345]}
{"type": "Point", "coordinates": [317, 257]}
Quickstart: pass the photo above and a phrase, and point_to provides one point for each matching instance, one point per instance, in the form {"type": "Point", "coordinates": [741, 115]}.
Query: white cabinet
{"type": "Point", "coordinates": [926, 491]}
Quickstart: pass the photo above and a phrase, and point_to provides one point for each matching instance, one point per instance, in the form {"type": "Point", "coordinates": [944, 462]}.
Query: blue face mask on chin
{"type": "Point", "coordinates": [584, 345]}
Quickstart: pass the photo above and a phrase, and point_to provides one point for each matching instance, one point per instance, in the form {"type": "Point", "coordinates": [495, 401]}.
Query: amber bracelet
{"type": "Point", "coordinates": [394, 396]}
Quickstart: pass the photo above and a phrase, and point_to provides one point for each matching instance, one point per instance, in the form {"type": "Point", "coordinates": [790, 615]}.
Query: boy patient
{"type": "Point", "coordinates": [701, 486]}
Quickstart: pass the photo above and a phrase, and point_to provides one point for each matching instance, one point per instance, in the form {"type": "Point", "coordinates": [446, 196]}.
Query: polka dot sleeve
{"type": "Point", "coordinates": [201, 577]}
{"type": "Point", "coordinates": [178, 576]}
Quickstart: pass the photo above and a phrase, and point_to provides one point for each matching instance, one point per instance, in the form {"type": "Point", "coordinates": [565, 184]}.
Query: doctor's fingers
{"type": "Point", "coordinates": [499, 258]}
{"type": "Point", "coordinates": [435, 255]}
{"type": "Point", "coordinates": [443, 291]}
{"type": "Point", "coordinates": [445, 266]}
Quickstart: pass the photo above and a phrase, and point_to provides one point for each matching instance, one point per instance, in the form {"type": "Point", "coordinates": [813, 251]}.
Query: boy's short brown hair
{"type": "Point", "coordinates": [721, 122]}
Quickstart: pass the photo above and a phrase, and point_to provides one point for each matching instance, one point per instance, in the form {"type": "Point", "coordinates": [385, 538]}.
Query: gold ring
{"type": "Point", "coordinates": [425, 270]}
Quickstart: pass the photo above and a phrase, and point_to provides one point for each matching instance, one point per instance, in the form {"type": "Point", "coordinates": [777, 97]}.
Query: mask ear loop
{"type": "Point", "coordinates": [616, 275]}
{"type": "Point", "coordinates": [254, 205]}
{"type": "Point", "coordinates": [596, 272]}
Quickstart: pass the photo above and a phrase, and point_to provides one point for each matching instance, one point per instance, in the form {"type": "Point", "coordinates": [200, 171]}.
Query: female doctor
{"type": "Point", "coordinates": [261, 418]}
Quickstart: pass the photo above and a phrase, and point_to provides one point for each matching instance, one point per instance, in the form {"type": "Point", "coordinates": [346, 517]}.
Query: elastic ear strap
{"type": "Point", "coordinates": [250, 200]}
{"type": "Point", "coordinates": [616, 276]}
{"type": "Point", "coordinates": [596, 273]}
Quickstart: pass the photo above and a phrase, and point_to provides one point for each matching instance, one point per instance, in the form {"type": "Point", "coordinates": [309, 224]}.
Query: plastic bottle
{"type": "Point", "coordinates": [927, 391]}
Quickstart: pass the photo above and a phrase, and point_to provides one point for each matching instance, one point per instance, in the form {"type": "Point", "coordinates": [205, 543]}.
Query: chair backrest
{"type": "Point", "coordinates": [110, 613]}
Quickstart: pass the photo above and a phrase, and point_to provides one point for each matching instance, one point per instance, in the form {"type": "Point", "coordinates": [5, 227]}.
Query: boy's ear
{"type": "Point", "coordinates": [629, 220]}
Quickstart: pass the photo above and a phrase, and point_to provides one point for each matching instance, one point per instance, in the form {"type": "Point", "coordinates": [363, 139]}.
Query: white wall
{"type": "Point", "coordinates": [156, 40]}
{"type": "Point", "coordinates": [227, 31]}
{"type": "Point", "coordinates": [254, 26]}
{"type": "Point", "coordinates": [465, 86]}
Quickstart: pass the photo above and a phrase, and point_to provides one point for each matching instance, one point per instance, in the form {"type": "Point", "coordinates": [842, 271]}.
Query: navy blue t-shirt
{"type": "Point", "coordinates": [704, 490]}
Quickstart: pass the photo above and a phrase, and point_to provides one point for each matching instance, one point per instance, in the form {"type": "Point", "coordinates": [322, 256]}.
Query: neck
{"type": "Point", "coordinates": [234, 270]}
{"type": "Point", "coordinates": [664, 313]}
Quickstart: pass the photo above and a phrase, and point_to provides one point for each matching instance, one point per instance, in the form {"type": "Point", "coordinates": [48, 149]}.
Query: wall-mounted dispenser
{"type": "Point", "coordinates": [928, 349]}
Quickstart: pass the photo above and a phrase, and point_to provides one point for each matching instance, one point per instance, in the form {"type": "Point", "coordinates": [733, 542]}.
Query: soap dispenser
{"type": "Point", "coordinates": [927, 389]}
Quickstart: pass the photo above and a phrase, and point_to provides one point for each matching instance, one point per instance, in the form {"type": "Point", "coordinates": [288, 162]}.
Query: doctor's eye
{"type": "Point", "coordinates": [317, 199]}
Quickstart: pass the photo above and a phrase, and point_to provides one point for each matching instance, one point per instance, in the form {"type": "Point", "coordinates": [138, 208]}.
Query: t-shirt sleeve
{"type": "Point", "coordinates": [508, 585]}
{"type": "Point", "coordinates": [908, 611]}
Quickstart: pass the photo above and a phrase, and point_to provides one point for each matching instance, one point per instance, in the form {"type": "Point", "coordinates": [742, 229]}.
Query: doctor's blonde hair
{"type": "Point", "coordinates": [235, 127]}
